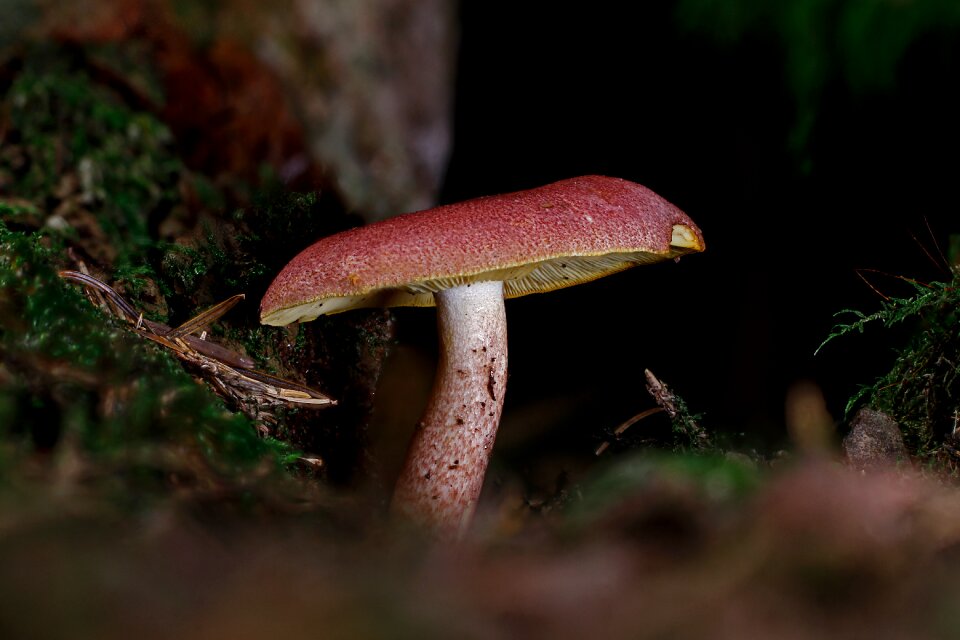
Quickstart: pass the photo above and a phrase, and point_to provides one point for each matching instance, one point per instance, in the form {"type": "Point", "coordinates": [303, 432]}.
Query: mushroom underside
{"type": "Point", "coordinates": [518, 280]}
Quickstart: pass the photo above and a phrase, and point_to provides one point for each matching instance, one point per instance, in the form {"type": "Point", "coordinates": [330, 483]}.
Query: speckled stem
{"type": "Point", "coordinates": [443, 474]}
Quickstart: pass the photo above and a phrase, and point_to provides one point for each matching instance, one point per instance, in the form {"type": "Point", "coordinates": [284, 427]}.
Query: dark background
{"type": "Point", "coordinates": [547, 92]}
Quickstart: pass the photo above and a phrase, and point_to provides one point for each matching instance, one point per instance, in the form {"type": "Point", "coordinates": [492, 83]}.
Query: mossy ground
{"type": "Point", "coordinates": [87, 181]}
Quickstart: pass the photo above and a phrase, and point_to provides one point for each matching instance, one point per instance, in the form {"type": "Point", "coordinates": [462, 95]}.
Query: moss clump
{"type": "Point", "coordinates": [922, 389]}
{"type": "Point", "coordinates": [74, 379]}
{"type": "Point", "coordinates": [81, 166]}
{"type": "Point", "coordinates": [106, 173]}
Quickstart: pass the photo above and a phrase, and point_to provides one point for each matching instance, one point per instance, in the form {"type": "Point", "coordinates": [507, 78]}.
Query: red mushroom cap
{"type": "Point", "coordinates": [536, 240]}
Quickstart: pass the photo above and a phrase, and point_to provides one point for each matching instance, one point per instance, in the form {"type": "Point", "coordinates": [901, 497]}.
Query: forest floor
{"type": "Point", "coordinates": [142, 495]}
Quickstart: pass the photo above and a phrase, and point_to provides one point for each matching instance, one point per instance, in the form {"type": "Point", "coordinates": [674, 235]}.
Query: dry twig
{"type": "Point", "coordinates": [229, 373]}
{"type": "Point", "coordinates": [670, 404]}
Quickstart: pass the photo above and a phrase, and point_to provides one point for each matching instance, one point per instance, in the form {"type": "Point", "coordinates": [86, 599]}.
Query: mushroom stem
{"type": "Point", "coordinates": [443, 474]}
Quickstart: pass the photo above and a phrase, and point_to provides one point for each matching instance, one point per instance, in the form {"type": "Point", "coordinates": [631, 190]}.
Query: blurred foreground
{"type": "Point", "coordinates": [652, 547]}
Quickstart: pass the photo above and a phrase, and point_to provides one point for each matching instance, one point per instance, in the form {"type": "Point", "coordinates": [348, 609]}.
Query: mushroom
{"type": "Point", "coordinates": [465, 258]}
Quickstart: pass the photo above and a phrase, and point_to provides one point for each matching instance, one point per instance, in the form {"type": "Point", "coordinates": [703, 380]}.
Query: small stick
{"type": "Point", "coordinates": [626, 425]}
{"type": "Point", "coordinates": [231, 374]}
{"type": "Point", "coordinates": [661, 394]}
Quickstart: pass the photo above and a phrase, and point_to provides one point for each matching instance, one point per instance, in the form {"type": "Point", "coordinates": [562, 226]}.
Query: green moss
{"type": "Point", "coordinates": [19, 212]}
{"type": "Point", "coordinates": [77, 376]}
{"type": "Point", "coordinates": [78, 143]}
{"type": "Point", "coordinates": [104, 181]}
{"type": "Point", "coordinates": [922, 388]}
{"type": "Point", "coordinates": [182, 266]}
{"type": "Point", "coordinates": [241, 255]}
